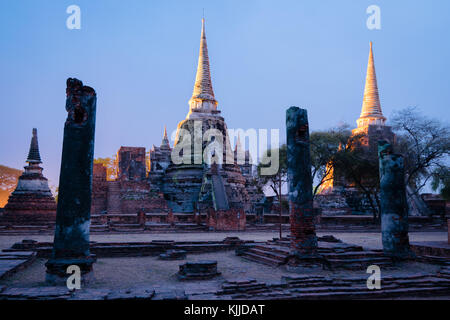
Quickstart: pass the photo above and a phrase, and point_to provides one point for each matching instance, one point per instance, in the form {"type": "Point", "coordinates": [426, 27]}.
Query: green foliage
{"type": "Point", "coordinates": [110, 164]}
{"type": "Point", "coordinates": [359, 168]}
{"type": "Point", "coordinates": [275, 181]}
{"type": "Point", "coordinates": [441, 181]}
{"type": "Point", "coordinates": [324, 147]}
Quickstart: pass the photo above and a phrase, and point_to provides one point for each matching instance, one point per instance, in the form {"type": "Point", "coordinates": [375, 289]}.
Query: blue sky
{"type": "Point", "coordinates": [141, 57]}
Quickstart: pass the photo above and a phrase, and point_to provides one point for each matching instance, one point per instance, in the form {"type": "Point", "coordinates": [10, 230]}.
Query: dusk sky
{"type": "Point", "coordinates": [141, 57]}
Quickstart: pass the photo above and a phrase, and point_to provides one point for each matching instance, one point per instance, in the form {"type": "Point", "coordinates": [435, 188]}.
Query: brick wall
{"type": "Point", "coordinates": [226, 220]}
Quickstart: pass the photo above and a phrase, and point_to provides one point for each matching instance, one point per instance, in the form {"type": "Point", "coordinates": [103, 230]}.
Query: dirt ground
{"type": "Point", "coordinates": [130, 272]}
{"type": "Point", "coordinates": [123, 273]}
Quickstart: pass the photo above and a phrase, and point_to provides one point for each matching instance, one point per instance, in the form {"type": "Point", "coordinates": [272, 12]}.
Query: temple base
{"type": "Point", "coordinates": [57, 275]}
{"type": "Point", "coordinates": [299, 262]}
{"type": "Point", "coordinates": [401, 256]}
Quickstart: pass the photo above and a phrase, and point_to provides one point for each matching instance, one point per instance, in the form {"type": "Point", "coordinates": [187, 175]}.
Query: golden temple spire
{"type": "Point", "coordinates": [371, 109]}
{"type": "Point", "coordinates": [203, 90]}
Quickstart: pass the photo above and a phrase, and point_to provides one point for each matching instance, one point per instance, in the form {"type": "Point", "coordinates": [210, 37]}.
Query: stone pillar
{"type": "Point", "coordinates": [142, 218]}
{"type": "Point", "coordinates": [71, 242]}
{"type": "Point", "coordinates": [448, 230]}
{"type": "Point", "coordinates": [303, 234]}
{"type": "Point", "coordinates": [394, 209]}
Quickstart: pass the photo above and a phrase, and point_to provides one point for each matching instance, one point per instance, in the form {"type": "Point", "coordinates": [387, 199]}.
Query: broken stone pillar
{"type": "Point", "coordinates": [448, 230]}
{"type": "Point", "coordinates": [71, 242]}
{"type": "Point", "coordinates": [303, 234]}
{"type": "Point", "coordinates": [394, 209]}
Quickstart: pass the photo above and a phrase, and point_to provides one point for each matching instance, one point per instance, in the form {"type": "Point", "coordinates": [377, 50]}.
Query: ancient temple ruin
{"type": "Point", "coordinates": [32, 201]}
{"type": "Point", "coordinates": [184, 182]}
{"type": "Point", "coordinates": [209, 185]}
{"type": "Point", "coordinates": [337, 195]}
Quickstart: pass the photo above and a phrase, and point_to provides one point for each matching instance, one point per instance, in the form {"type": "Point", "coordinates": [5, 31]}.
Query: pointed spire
{"type": "Point", "coordinates": [371, 109]}
{"type": "Point", "coordinates": [203, 86]}
{"type": "Point", "coordinates": [165, 140]}
{"type": "Point", "coordinates": [238, 146]}
{"type": "Point", "coordinates": [33, 154]}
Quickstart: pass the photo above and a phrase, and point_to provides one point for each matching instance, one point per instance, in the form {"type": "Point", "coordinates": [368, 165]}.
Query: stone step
{"type": "Point", "coordinates": [352, 255]}
{"type": "Point", "coordinates": [434, 260]}
{"type": "Point", "coordinates": [251, 288]}
{"type": "Point", "coordinates": [373, 294]}
{"type": "Point", "coordinates": [358, 265]}
{"type": "Point", "coordinates": [273, 255]}
{"type": "Point", "coordinates": [317, 287]}
{"type": "Point", "coordinates": [430, 282]}
{"type": "Point", "coordinates": [361, 261]}
{"type": "Point", "coordinates": [419, 281]}
{"type": "Point", "coordinates": [341, 249]}
{"type": "Point", "coordinates": [126, 225]}
{"type": "Point", "coordinates": [261, 259]}
{"type": "Point", "coordinates": [274, 249]}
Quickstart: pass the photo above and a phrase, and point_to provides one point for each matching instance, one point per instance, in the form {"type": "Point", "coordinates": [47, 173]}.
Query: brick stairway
{"type": "Point", "coordinates": [336, 255]}
{"type": "Point", "coordinates": [320, 287]}
{"type": "Point", "coordinates": [266, 254]}
{"type": "Point", "coordinates": [113, 201]}
{"type": "Point", "coordinates": [220, 195]}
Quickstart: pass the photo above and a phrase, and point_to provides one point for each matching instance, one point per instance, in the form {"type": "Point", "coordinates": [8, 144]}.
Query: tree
{"type": "Point", "coordinates": [441, 181]}
{"type": "Point", "coordinates": [110, 164]}
{"type": "Point", "coordinates": [324, 146]}
{"type": "Point", "coordinates": [424, 143]}
{"type": "Point", "coordinates": [275, 181]}
{"type": "Point", "coordinates": [360, 168]}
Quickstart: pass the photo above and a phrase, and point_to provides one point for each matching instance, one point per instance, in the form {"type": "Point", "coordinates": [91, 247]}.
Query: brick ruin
{"type": "Point", "coordinates": [132, 191]}
{"type": "Point", "coordinates": [155, 190]}
{"type": "Point", "coordinates": [210, 191]}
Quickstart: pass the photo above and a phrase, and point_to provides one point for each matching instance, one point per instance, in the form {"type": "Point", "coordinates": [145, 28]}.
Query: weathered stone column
{"type": "Point", "coordinates": [394, 208]}
{"type": "Point", "coordinates": [303, 234]}
{"type": "Point", "coordinates": [71, 242]}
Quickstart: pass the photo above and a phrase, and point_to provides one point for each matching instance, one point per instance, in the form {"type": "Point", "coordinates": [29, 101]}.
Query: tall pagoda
{"type": "Point", "coordinates": [209, 180]}
{"type": "Point", "coordinates": [32, 202]}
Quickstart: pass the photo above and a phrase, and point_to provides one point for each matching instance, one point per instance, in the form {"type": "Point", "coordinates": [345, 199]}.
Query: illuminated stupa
{"type": "Point", "coordinates": [371, 109]}
{"type": "Point", "coordinates": [371, 124]}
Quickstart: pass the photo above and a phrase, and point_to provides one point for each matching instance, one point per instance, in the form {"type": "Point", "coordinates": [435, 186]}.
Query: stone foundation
{"type": "Point", "coordinates": [201, 270]}
{"type": "Point", "coordinates": [226, 220]}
